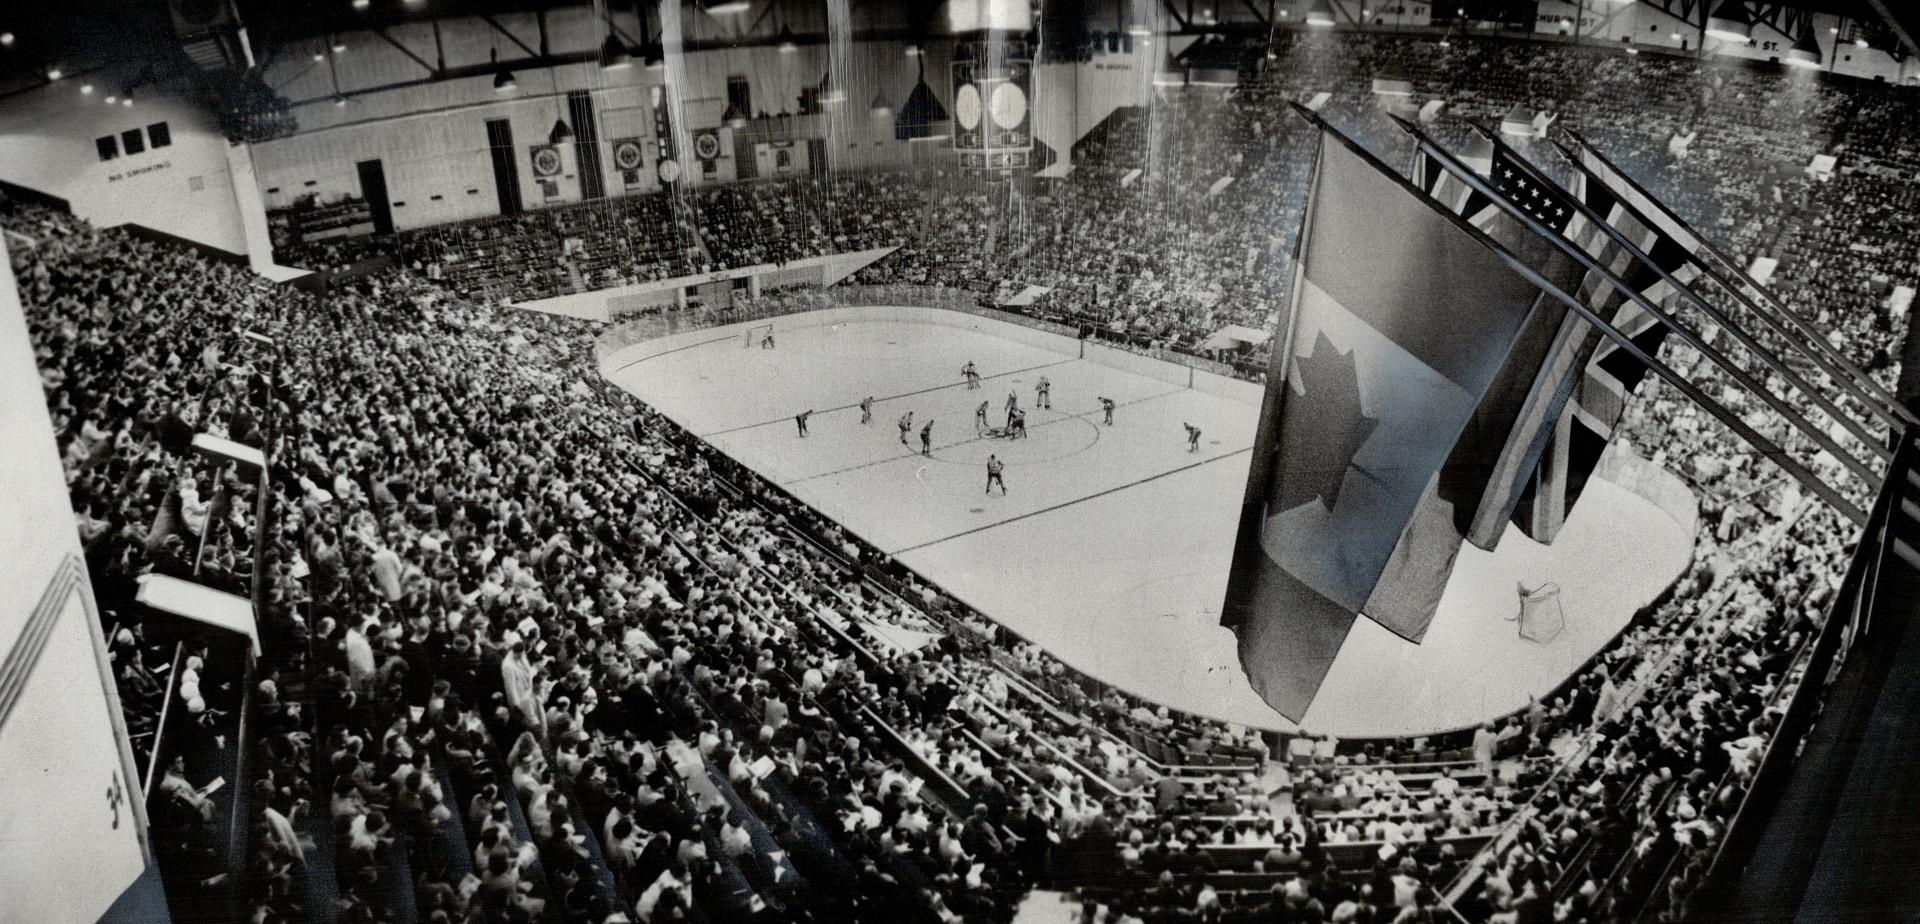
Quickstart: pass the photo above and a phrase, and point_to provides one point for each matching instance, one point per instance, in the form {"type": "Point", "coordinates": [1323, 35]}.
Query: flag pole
{"type": "Point", "coordinates": [1883, 402]}
{"type": "Point", "coordinates": [1772, 360]}
{"type": "Point", "coordinates": [1806, 427]}
{"type": "Point", "coordinates": [1761, 444]}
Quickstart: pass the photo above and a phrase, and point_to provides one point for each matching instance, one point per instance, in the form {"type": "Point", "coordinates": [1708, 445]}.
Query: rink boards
{"type": "Point", "coordinates": [1111, 546]}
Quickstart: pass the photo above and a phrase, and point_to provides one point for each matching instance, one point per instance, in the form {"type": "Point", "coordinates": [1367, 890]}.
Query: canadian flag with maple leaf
{"type": "Point", "coordinates": [1404, 317]}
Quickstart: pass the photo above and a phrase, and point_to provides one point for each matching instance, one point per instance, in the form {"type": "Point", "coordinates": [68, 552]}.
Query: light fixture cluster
{"type": "Point", "coordinates": [123, 98]}
{"type": "Point", "coordinates": [1730, 21]}
{"type": "Point", "coordinates": [1806, 49]}
{"type": "Point", "coordinates": [614, 55]}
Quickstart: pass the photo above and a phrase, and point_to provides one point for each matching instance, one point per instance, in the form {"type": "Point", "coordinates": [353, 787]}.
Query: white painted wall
{"type": "Point", "coordinates": [1112, 80]}
{"type": "Point", "coordinates": [47, 144]}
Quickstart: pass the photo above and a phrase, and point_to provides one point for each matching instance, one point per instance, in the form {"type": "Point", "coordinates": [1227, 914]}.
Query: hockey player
{"type": "Point", "coordinates": [1013, 404]}
{"type": "Point", "coordinates": [1193, 437]}
{"type": "Point", "coordinates": [972, 377]}
{"type": "Point", "coordinates": [866, 410]}
{"type": "Point", "coordinates": [994, 468]}
{"type": "Point", "coordinates": [906, 427]}
{"type": "Point", "coordinates": [801, 420]}
{"type": "Point", "coordinates": [926, 439]}
{"type": "Point", "coordinates": [1043, 393]}
{"type": "Point", "coordinates": [766, 343]}
{"type": "Point", "coordinates": [1106, 404]}
{"type": "Point", "coordinates": [1017, 426]}
{"type": "Point", "coordinates": [980, 418]}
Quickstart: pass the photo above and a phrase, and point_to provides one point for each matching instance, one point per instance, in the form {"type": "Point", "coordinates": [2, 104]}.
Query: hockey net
{"type": "Point", "coordinates": [752, 336]}
{"type": "Point", "coordinates": [1541, 616]}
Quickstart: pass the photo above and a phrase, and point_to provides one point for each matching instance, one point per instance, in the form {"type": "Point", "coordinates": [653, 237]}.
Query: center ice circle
{"type": "Point", "coordinates": [1050, 435]}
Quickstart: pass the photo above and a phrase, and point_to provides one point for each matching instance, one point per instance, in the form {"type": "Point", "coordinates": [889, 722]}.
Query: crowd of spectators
{"type": "Point", "coordinates": [533, 653]}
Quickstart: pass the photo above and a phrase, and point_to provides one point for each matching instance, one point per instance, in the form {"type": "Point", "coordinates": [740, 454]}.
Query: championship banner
{"type": "Point", "coordinates": [546, 160]}
{"type": "Point", "coordinates": [629, 157]}
{"type": "Point", "coordinates": [706, 146]}
{"type": "Point", "coordinates": [992, 104]}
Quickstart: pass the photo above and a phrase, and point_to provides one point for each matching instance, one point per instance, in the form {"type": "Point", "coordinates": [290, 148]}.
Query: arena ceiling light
{"type": "Point", "coordinates": [54, 73]}
{"type": "Point", "coordinates": [1320, 14]}
{"type": "Point", "coordinates": [729, 7]}
{"type": "Point", "coordinates": [613, 55]}
{"type": "Point", "coordinates": [503, 81]}
{"type": "Point", "coordinates": [787, 44]}
{"type": "Point", "coordinates": [1730, 21]}
{"type": "Point", "coordinates": [1805, 51]}
{"type": "Point", "coordinates": [6, 40]}
{"type": "Point", "coordinates": [86, 89]}
{"type": "Point", "coordinates": [880, 107]}
{"type": "Point", "coordinates": [362, 5]}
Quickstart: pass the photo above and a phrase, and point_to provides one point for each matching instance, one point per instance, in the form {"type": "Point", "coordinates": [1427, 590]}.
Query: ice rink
{"type": "Point", "coordinates": [1111, 545]}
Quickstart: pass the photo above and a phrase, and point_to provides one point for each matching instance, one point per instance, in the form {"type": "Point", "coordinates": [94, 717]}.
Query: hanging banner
{"type": "Point", "coordinates": [546, 160]}
{"type": "Point", "coordinates": [706, 145]}
{"type": "Point", "coordinates": [629, 157]}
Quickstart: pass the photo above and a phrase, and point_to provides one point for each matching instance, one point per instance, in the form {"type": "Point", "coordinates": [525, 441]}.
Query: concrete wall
{"type": "Point", "coordinates": [431, 136]}
{"type": "Point", "coordinates": [185, 189]}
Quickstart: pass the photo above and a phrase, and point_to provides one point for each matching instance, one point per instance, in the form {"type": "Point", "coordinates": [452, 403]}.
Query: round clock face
{"type": "Point", "coordinates": [546, 162]}
{"type": "Point", "coordinates": [707, 146]}
{"type": "Point", "coordinates": [669, 170]}
{"type": "Point", "coordinates": [966, 106]}
{"type": "Point", "coordinates": [627, 156]}
{"type": "Point", "coordinates": [1009, 105]}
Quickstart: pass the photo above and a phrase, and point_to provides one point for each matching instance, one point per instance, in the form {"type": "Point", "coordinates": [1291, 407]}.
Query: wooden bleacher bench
{"type": "Point", "coordinates": [1350, 855]}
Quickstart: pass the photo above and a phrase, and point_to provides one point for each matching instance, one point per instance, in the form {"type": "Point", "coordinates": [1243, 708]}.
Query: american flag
{"type": "Point", "coordinates": [1606, 374]}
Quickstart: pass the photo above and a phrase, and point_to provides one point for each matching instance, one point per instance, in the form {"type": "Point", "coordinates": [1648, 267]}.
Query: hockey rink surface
{"type": "Point", "coordinates": [1111, 545]}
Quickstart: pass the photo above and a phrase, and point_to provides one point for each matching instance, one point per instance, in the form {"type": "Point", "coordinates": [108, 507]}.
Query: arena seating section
{"type": "Point", "coordinates": [531, 653]}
